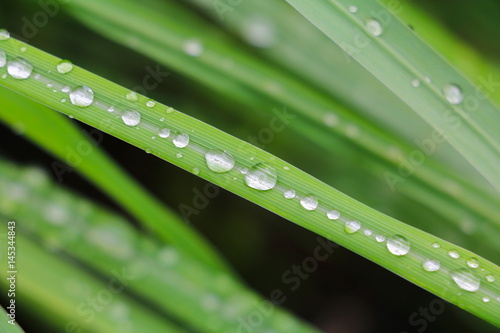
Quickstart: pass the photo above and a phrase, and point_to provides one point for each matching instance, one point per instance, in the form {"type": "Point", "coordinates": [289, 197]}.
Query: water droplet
{"type": "Point", "coordinates": [179, 155]}
{"type": "Point", "coordinates": [66, 89]}
{"type": "Point", "coordinates": [289, 194]}
{"type": "Point", "coordinates": [162, 119]}
{"type": "Point", "coordinates": [415, 83]}
{"type": "Point", "coordinates": [50, 85]}
{"type": "Point", "coordinates": [148, 151]}
{"type": "Point", "coordinates": [131, 96]}
{"type": "Point", "coordinates": [309, 202]}
{"type": "Point", "coordinates": [3, 58]}
{"type": "Point", "coordinates": [244, 171]}
{"type": "Point", "coordinates": [4, 34]}
{"type": "Point", "coordinates": [150, 103]}
{"type": "Point", "coordinates": [486, 299]}
{"type": "Point", "coordinates": [398, 245]}
{"type": "Point", "coordinates": [431, 265]}
{"type": "Point", "coordinates": [333, 214]}
{"type": "Point", "coordinates": [81, 96]}
{"type": "Point", "coordinates": [131, 118]}
{"type": "Point", "coordinates": [490, 278]}
{"type": "Point", "coordinates": [353, 9]}
{"type": "Point", "coordinates": [261, 177]}
{"type": "Point", "coordinates": [23, 49]}
{"type": "Point", "coordinates": [219, 161]}
{"type": "Point", "coordinates": [64, 66]}
{"type": "Point", "coordinates": [473, 263]}
{"type": "Point", "coordinates": [169, 110]}
{"type": "Point", "coordinates": [436, 245]}
{"type": "Point", "coordinates": [454, 254]}
{"type": "Point", "coordinates": [374, 27]}
{"type": "Point", "coordinates": [181, 140]}
{"type": "Point", "coordinates": [195, 171]}
{"type": "Point", "coordinates": [4, 76]}
{"type": "Point", "coordinates": [367, 232]}
{"type": "Point", "coordinates": [453, 94]}
{"type": "Point", "coordinates": [193, 47]}
{"type": "Point", "coordinates": [352, 226]}
{"type": "Point", "coordinates": [465, 280]}
{"type": "Point", "coordinates": [164, 132]}
{"type": "Point", "coordinates": [19, 69]}
{"type": "Point", "coordinates": [111, 109]}
{"type": "Point", "coordinates": [427, 79]}
{"type": "Point", "coordinates": [380, 238]}
{"type": "Point", "coordinates": [63, 100]}
{"type": "Point", "coordinates": [259, 32]}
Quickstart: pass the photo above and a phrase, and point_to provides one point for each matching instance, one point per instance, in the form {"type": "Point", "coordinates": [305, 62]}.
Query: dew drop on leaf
{"type": "Point", "coordinates": [19, 69]}
{"type": "Point", "coordinates": [309, 202]}
{"type": "Point", "coordinates": [398, 245]}
{"type": "Point", "coordinates": [454, 254]}
{"type": "Point", "coordinates": [81, 96]}
{"type": "Point", "coordinates": [473, 263]}
{"type": "Point", "coordinates": [374, 27]}
{"type": "Point", "coordinates": [453, 94]}
{"type": "Point", "coordinates": [465, 280]}
{"type": "Point", "coordinates": [352, 226]}
{"type": "Point", "coordinates": [219, 161]}
{"type": "Point", "coordinates": [4, 34]}
{"type": "Point", "coordinates": [164, 132]}
{"type": "Point", "coordinates": [3, 58]}
{"type": "Point", "coordinates": [333, 215]}
{"type": "Point", "coordinates": [289, 194]}
{"type": "Point", "coordinates": [64, 66]}
{"type": "Point", "coordinates": [431, 265]}
{"type": "Point", "coordinates": [261, 177]}
{"type": "Point", "coordinates": [181, 140]}
{"type": "Point", "coordinates": [131, 118]}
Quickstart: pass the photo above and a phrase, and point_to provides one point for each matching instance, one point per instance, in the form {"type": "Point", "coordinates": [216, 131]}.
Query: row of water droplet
{"type": "Point", "coordinates": [261, 176]}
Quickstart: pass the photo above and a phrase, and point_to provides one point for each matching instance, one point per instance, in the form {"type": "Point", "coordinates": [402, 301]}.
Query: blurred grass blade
{"type": "Point", "coordinates": [393, 54]}
{"type": "Point", "coordinates": [80, 150]}
{"type": "Point", "coordinates": [5, 326]}
{"type": "Point", "coordinates": [257, 176]}
{"type": "Point", "coordinates": [173, 281]}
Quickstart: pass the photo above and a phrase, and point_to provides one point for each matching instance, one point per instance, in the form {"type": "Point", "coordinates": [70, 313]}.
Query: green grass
{"type": "Point", "coordinates": [337, 133]}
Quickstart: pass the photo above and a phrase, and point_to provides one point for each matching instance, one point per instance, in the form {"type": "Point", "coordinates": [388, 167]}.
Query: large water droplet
{"type": "Point", "coordinates": [398, 245]}
{"type": "Point", "coordinates": [220, 161]}
{"type": "Point", "coordinates": [374, 27]}
{"type": "Point", "coordinates": [81, 96]}
{"type": "Point", "coordinates": [454, 254]}
{"type": "Point", "coordinates": [181, 140]}
{"type": "Point", "coordinates": [289, 194]}
{"type": "Point", "coordinates": [3, 58]}
{"type": "Point", "coordinates": [431, 265]}
{"type": "Point", "coordinates": [333, 215]}
{"type": "Point", "coordinates": [4, 34]}
{"type": "Point", "coordinates": [193, 47]}
{"type": "Point", "coordinates": [164, 132]}
{"type": "Point", "coordinates": [261, 177]}
{"type": "Point", "coordinates": [453, 94]}
{"type": "Point", "coordinates": [473, 263]}
{"type": "Point", "coordinates": [131, 118]}
{"type": "Point", "coordinates": [309, 202]}
{"type": "Point", "coordinates": [465, 280]}
{"type": "Point", "coordinates": [64, 66]}
{"type": "Point", "coordinates": [19, 69]}
{"type": "Point", "coordinates": [352, 226]}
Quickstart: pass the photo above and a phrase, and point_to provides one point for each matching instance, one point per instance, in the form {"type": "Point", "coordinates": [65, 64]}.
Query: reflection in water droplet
{"type": "Point", "coordinates": [181, 140]}
{"type": "Point", "coordinates": [150, 103]}
{"type": "Point", "coordinates": [453, 94]}
{"type": "Point", "coordinates": [131, 118]}
{"type": "Point", "coordinates": [261, 177]}
{"type": "Point", "coordinates": [289, 194]}
{"type": "Point", "coordinates": [465, 280]}
{"type": "Point", "coordinates": [164, 132]}
{"type": "Point", "coordinates": [19, 69]}
{"type": "Point", "coordinates": [436, 245]}
{"type": "Point", "coordinates": [64, 66]}
{"type": "Point", "coordinates": [352, 226]}
{"type": "Point", "coordinates": [219, 161]}
{"type": "Point", "coordinates": [431, 265]}
{"type": "Point", "coordinates": [81, 96]}
{"type": "Point", "coordinates": [398, 245]}
{"type": "Point", "coordinates": [380, 238]}
{"type": "Point", "coordinates": [131, 96]}
{"type": "Point", "coordinates": [374, 27]}
{"type": "Point", "coordinates": [333, 214]}
{"type": "Point", "coordinates": [490, 278]}
{"type": "Point", "coordinates": [473, 263]}
{"type": "Point", "coordinates": [454, 254]}
{"type": "Point", "coordinates": [309, 202]}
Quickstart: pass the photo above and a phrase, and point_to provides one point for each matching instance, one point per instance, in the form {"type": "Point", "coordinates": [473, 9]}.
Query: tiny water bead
{"type": "Point", "coordinates": [81, 96]}
{"type": "Point", "coordinates": [453, 94]}
{"type": "Point", "coordinates": [23, 49]}
{"type": "Point", "coordinates": [309, 202]}
{"type": "Point", "coordinates": [465, 280]}
{"type": "Point", "coordinates": [415, 83]}
{"type": "Point", "coordinates": [490, 278]}
{"type": "Point", "coordinates": [261, 177]}
{"type": "Point", "coordinates": [333, 215]}
{"type": "Point", "coordinates": [473, 263]}
{"type": "Point", "coordinates": [352, 226]}
{"type": "Point", "coordinates": [131, 118]}
{"type": "Point", "coordinates": [454, 254]}
{"type": "Point", "coordinates": [193, 47]}
{"type": "Point", "coordinates": [164, 132]}
{"type": "Point", "coordinates": [150, 103]}
{"type": "Point", "coordinates": [431, 265]}
{"type": "Point", "coordinates": [131, 96]}
{"type": "Point", "coordinates": [398, 245]}
{"type": "Point", "coordinates": [19, 69]}
{"type": "Point", "coordinates": [374, 27]}
{"type": "Point", "coordinates": [219, 161]}
{"type": "Point", "coordinates": [3, 58]}
{"type": "Point", "coordinates": [289, 194]}
{"type": "Point", "coordinates": [353, 9]}
{"type": "Point", "coordinates": [181, 140]}
{"type": "Point", "coordinates": [380, 238]}
{"type": "Point", "coordinates": [436, 245]}
{"type": "Point", "coordinates": [368, 232]}
{"type": "Point", "coordinates": [4, 34]}
{"type": "Point", "coordinates": [64, 66]}
{"type": "Point", "coordinates": [486, 299]}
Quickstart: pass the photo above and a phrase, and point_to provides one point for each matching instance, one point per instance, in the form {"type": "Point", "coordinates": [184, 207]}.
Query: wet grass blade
{"type": "Point", "coordinates": [399, 59]}
{"type": "Point", "coordinates": [257, 176]}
